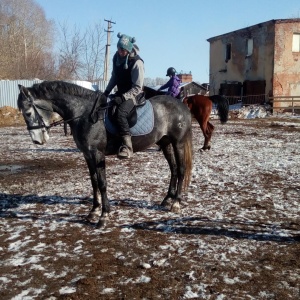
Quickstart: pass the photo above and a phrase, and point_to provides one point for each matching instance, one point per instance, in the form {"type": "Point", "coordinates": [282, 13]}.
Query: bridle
{"type": "Point", "coordinates": [41, 123]}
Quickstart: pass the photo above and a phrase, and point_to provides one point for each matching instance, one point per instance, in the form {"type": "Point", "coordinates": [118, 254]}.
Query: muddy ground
{"type": "Point", "coordinates": [237, 237]}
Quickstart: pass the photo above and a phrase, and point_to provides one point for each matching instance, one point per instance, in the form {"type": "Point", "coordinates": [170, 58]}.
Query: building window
{"type": "Point", "coordinates": [228, 52]}
{"type": "Point", "coordinates": [249, 49]}
{"type": "Point", "coordinates": [296, 42]}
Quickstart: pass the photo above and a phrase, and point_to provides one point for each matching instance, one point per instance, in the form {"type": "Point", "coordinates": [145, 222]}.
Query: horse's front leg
{"type": "Point", "coordinates": [96, 166]}
{"type": "Point", "coordinates": [96, 209]}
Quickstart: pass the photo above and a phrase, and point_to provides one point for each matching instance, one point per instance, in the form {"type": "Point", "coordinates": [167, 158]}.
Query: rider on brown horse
{"type": "Point", "coordinates": [173, 85]}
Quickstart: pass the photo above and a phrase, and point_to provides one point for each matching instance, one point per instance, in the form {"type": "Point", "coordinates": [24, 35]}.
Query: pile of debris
{"type": "Point", "coordinates": [10, 116]}
{"type": "Point", "coordinates": [238, 111]}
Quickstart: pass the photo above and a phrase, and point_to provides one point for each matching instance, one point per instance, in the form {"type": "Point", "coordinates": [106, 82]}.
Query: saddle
{"type": "Point", "coordinates": [112, 112]}
{"type": "Point", "coordinates": [140, 119]}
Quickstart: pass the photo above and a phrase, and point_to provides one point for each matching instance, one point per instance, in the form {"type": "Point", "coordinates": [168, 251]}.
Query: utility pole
{"type": "Point", "coordinates": [106, 62]}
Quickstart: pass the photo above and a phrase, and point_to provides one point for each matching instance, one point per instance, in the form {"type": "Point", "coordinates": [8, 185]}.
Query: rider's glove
{"type": "Point", "coordinates": [118, 100]}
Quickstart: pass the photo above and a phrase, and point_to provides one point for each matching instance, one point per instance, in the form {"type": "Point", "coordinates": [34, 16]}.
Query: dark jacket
{"type": "Point", "coordinates": [129, 81]}
{"type": "Point", "coordinates": [123, 76]}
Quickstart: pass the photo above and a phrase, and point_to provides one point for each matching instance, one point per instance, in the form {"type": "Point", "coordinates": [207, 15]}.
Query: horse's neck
{"type": "Point", "coordinates": [70, 108]}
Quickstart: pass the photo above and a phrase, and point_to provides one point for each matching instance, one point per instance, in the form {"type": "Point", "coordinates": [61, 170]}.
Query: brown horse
{"type": "Point", "coordinates": [201, 107]}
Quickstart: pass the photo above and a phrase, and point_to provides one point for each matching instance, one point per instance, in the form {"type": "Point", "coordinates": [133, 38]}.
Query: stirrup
{"type": "Point", "coordinates": [124, 152]}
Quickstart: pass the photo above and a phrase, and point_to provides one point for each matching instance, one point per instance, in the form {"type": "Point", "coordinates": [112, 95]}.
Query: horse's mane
{"type": "Point", "coordinates": [48, 88]}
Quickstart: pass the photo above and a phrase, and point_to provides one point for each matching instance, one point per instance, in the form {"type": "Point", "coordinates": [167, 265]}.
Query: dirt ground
{"type": "Point", "coordinates": [237, 237]}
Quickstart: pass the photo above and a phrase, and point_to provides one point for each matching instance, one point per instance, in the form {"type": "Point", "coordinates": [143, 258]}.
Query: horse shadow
{"type": "Point", "coordinates": [202, 226]}
{"type": "Point", "coordinates": [133, 203]}
{"type": "Point", "coordinates": [64, 150]}
{"type": "Point", "coordinates": [9, 204]}
{"type": "Point", "coordinates": [227, 228]}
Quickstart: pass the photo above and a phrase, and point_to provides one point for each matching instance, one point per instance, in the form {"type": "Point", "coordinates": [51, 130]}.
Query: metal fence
{"type": "Point", "coordinates": [9, 89]}
{"type": "Point", "coordinates": [285, 103]}
{"type": "Point", "coordinates": [9, 92]}
{"type": "Point", "coordinates": [247, 100]}
{"type": "Point", "coordinates": [278, 103]}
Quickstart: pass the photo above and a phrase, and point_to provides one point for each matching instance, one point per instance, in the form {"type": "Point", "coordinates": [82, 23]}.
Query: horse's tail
{"type": "Point", "coordinates": [222, 107]}
{"type": "Point", "coordinates": [188, 159]}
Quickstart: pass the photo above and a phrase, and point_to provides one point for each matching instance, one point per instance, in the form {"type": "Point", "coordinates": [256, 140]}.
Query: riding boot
{"type": "Point", "coordinates": [126, 150]}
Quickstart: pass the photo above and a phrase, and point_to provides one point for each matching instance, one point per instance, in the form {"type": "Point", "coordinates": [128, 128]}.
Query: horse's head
{"type": "Point", "coordinates": [36, 114]}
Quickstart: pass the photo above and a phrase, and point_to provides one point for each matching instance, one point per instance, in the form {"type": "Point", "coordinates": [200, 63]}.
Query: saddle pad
{"type": "Point", "coordinates": [144, 124]}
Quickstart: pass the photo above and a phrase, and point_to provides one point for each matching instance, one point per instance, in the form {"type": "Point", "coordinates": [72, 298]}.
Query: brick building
{"type": "Point", "coordinates": [262, 60]}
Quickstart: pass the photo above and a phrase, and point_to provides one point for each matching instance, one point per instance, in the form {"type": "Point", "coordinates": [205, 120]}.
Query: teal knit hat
{"type": "Point", "coordinates": [125, 42]}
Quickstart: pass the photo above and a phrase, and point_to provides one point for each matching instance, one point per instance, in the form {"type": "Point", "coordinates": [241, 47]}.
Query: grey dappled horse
{"type": "Point", "coordinates": [172, 132]}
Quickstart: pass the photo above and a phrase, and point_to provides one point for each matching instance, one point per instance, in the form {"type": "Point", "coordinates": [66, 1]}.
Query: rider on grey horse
{"type": "Point", "coordinates": [128, 76]}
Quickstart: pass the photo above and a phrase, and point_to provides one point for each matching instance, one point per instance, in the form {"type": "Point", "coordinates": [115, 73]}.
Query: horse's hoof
{"type": "Point", "coordinates": [102, 223]}
{"type": "Point", "coordinates": [166, 202]}
{"type": "Point", "coordinates": [175, 208]}
{"type": "Point", "coordinates": [204, 149]}
{"type": "Point", "coordinates": [92, 217]}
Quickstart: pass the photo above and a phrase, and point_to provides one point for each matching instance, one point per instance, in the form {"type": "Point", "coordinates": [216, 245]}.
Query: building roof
{"type": "Point", "coordinates": [275, 21]}
{"type": "Point", "coordinates": [183, 84]}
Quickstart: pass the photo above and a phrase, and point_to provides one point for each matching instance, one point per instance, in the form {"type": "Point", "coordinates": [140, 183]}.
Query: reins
{"type": "Point", "coordinates": [62, 121]}
{"type": "Point", "coordinates": [56, 123]}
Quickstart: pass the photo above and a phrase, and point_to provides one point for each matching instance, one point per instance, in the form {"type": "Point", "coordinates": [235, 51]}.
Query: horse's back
{"type": "Point", "coordinates": [203, 101]}
{"type": "Point", "coordinates": [171, 116]}
{"type": "Point", "coordinates": [200, 107]}
{"type": "Point", "coordinates": [169, 105]}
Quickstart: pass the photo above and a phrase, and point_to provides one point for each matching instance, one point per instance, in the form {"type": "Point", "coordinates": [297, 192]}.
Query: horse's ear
{"type": "Point", "coordinates": [24, 90]}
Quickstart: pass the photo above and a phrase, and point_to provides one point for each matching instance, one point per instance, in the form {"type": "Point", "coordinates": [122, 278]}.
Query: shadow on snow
{"type": "Point", "coordinates": [182, 225]}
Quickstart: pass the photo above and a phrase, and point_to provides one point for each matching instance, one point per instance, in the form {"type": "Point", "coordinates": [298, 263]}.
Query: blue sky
{"type": "Point", "coordinates": [171, 33]}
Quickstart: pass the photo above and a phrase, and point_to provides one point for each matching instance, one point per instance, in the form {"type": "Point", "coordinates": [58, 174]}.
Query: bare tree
{"type": "Point", "coordinates": [81, 54]}
{"type": "Point", "coordinates": [160, 81]}
{"type": "Point", "coordinates": [149, 82]}
{"type": "Point", "coordinates": [26, 38]}
{"type": "Point", "coordinates": [94, 52]}
{"type": "Point", "coordinates": [70, 50]}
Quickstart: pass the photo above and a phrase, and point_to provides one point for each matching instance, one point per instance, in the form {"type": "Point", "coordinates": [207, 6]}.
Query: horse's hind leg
{"type": "Point", "coordinates": [209, 130]}
{"type": "Point", "coordinates": [175, 157]}
{"type": "Point", "coordinates": [203, 126]}
{"type": "Point", "coordinates": [179, 155]}
{"type": "Point", "coordinates": [66, 129]}
{"type": "Point", "coordinates": [170, 157]}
